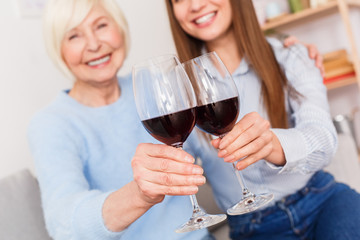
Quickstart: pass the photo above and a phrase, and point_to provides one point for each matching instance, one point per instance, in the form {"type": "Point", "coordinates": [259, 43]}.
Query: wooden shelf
{"type": "Point", "coordinates": [290, 18]}
{"type": "Point", "coordinates": [341, 83]}
{"type": "Point", "coordinates": [354, 3]}
{"type": "Point", "coordinates": [342, 6]}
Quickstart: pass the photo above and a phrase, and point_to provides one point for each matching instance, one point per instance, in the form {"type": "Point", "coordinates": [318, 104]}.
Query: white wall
{"type": "Point", "coordinates": [29, 80]}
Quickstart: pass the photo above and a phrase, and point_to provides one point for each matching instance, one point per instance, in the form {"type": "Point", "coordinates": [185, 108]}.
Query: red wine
{"type": "Point", "coordinates": [218, 118]}
{"type": "Point", "coordinates": [172, 129]}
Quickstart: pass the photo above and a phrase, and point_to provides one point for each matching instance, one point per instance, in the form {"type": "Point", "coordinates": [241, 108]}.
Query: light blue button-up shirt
{"type": "Point", "coordinates": [308, 144]}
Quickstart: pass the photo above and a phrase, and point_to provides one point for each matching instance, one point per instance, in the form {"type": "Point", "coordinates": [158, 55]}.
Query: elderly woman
{"type": "Point", "coordinates": [102, 176]}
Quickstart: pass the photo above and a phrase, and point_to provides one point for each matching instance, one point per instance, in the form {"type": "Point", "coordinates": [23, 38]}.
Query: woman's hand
{"type": "Point", "coordinates": [312, 49]}
{"type": "Point", "coordinates": [250, 141]}
{"type": "Point", "coordinates": [158, 170]}
{"type": "Point", "coordinates": [161, 170]}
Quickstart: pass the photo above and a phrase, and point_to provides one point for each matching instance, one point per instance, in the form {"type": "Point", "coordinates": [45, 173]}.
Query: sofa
{"type": "Point", "coordinates": [21, 216]}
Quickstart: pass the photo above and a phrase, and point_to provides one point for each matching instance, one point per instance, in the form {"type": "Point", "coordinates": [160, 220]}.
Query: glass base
{"type": "Point", "coordinates": [250, 204]}
{"type": "Point", "coordinates": [200, 221]}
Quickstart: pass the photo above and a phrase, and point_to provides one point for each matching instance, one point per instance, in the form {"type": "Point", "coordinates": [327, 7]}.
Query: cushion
{"type": "Point", "coordinates": [21, 215]}
{"type": "Point", "coordinates": [345, 165]}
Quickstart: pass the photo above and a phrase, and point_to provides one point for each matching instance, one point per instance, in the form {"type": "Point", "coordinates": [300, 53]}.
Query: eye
{"type": "Point", "coordinates": [73, 36]}
{"type": "Point", "coordinates": [101, 25]}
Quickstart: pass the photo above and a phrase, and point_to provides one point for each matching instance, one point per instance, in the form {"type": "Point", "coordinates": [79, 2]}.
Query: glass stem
{"type": "Point", "coordinates": [195, 205]}
{"type": "Point", "coordinates": [240, 179]}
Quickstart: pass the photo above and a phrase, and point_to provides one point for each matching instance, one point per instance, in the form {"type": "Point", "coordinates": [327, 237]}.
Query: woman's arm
{"type": "Point", "coordinates": [75, 210]}
{"type": "Point", "coordinates": [311, 140]}
{"type": "Point", "coordinates": [159, 170]}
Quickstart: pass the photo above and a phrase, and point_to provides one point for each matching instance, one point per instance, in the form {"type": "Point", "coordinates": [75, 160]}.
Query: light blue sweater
{"type": "Point", "coordinates": [82, 154]}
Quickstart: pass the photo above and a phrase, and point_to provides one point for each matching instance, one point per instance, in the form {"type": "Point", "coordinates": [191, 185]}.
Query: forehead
{"type": "Point", "coordinates": [96, 12]}
{"type": "Point", "coordinates": [84, 16]}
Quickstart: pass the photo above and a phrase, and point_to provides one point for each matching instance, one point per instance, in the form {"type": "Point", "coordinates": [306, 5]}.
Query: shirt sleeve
{"type": "Point", "coordinates": [311, 141]}
{"type": "Point", "coordinates": [71, 209]}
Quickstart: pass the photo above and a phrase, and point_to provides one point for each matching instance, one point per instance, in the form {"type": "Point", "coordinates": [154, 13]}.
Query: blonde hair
{"type": "Point", "coordinates": [61, 16]}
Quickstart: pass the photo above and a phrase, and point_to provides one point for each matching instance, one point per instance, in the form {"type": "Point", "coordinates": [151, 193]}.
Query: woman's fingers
{"type": "Point", "coordinates": [246, 140]}
{"type": "Point", "coordinates": [255, 147]}
{"type": "Point", "coordinates": [315, 54]}
{"type": "Point", "coordinates": [160, 150]}
{"type": "Point", "coordinates": [312, 50]}
{"type": "Point", "coordinates": [163, 158]}
{"type": "Point", "coordinates": [162, 170]}
{"type": "Point", "coordinates": [252, 158]}
{"type": "Point", "coordinates": [170, 179]}
{"type": "Point", "coordinates": [245, 123]}
{"type": "Point", "coordinates": [216, 142]}
{"type": "Point", "coordinates": [291, 40]}
{"type": "Point", "coordinates": [153, 190]}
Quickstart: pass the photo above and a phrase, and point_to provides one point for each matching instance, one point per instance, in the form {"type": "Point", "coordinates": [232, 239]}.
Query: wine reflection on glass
{"type": "Point", "coordinates": [217, 112]}
{"type": "Point", "coordinates": [166, 105]}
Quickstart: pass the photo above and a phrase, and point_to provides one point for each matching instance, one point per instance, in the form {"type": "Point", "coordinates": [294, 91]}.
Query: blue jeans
{"type": "Point", "coordinates": [322, 210]}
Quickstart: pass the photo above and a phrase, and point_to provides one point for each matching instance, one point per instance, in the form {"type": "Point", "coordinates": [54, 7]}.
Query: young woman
{"type": "Point", "coordinates": [101, 174]}
{"type": "Point", "coordinates": [284, 136]}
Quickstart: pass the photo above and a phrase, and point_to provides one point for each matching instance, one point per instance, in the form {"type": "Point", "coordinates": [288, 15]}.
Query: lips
{"type": "Point", "coordinates": [98, 61]}
{"type": "Point", "coordinates": [205, 18]}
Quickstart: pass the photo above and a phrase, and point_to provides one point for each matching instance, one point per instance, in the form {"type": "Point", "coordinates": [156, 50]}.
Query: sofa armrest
{"type": "Point", "coordinates": [21, 215]}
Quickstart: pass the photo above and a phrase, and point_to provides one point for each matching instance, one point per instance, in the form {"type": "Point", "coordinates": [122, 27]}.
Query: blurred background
{"type": "Point", "coordinates": [29, 80]}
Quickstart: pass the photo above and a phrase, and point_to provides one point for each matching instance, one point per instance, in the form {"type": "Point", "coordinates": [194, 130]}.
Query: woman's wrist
{"type": "Point", "coordinates": [277, 155]}
{"type": "Point", "coordinates": [124, 206]}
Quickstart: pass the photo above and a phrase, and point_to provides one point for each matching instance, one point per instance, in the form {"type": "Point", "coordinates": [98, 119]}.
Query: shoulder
{"type": "Point", "coordinates": [52, 117]}
{"type": "Point", "coordinates": [294, 52]}
{"type": "Point", "coordinates": [295, 62]}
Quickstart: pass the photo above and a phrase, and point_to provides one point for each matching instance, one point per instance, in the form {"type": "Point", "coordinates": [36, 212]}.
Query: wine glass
{"type": "Point", "coordinates": [217, 112]}
{"type": "Point", "coordinates": [166, 104]}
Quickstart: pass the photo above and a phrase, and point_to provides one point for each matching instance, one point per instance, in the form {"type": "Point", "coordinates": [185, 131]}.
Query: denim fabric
{"type": "Point", "coordinates": [322, 210]}
{"type": "Point", "coordinates": [209, 237]}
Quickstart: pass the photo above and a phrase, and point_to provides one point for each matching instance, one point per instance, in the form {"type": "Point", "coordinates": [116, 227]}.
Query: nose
{"type": "Point", "coordinates": [93, 42]}
{"type": "Point", "coordinates": [197, 5]}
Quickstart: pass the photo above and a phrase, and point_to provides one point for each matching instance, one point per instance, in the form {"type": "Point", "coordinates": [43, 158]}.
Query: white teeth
{"type": "Point", "coordinates": [204, 18]}
{"type": "Point", "coordinates": [99, 61]}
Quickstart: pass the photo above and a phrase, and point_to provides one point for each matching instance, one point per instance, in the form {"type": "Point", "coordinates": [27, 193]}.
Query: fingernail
{"type": "Point", "coordinates": [239, 166]}
{"type": "Point", "coordinates": [200, 180]}
{"type": "Point", "coordinates": [229, 158]}
{"type": "Point", "coordinates": [189, 159]}
{"type": "Point", "coordinates": [222, 153]}
{"type": "Point", "coordinates": [223, 144]}
{"type": "Point", "coordinates": [197, 170]}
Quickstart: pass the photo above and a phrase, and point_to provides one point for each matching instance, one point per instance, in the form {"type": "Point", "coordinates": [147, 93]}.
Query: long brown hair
{"type": "Point", "coordinates": [251, 44]}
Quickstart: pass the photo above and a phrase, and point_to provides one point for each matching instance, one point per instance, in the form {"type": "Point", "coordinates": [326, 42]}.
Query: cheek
{"type": "Point", "coordinates": [118, 42]}
{"type": "Point", "coordinates": [115, 39]}
{"type": "Point", "coordinates": [71, 55]}
{"type": "Point", "coordinates": [179, 14]}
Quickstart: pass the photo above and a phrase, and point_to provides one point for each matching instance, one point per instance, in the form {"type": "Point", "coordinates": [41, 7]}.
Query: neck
{"type": "Point", "coordinates": [227, 50]}
{"type": "Point", "coordinates": [95, 95]}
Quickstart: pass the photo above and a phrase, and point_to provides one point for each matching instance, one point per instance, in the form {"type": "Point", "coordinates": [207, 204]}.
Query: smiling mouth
{"type": "Point", "coordinates": [98, 61]}
{"type": "Point", "coordinates": [205, 18]}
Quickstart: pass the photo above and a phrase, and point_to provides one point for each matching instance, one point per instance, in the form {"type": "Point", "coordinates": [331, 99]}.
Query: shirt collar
{"type": "Point", "coordinates": [242, 69]}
